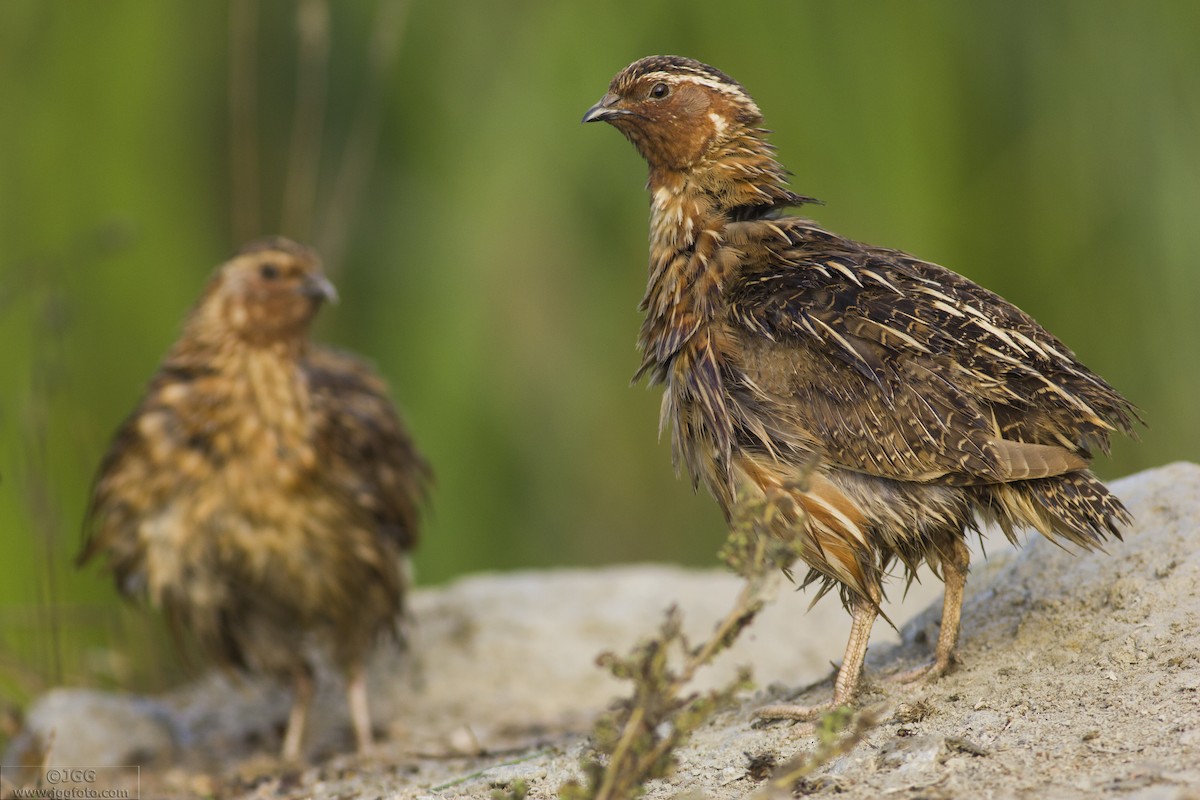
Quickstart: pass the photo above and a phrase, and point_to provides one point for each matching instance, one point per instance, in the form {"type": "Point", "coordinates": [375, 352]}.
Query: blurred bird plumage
{"type": "Point", "coordinates": [264, 492]}
{"type": "Point", "coordinates": [877, 399]}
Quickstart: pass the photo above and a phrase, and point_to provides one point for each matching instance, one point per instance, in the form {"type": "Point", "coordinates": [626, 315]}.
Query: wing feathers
{"type": "Point", "coordinates": [904, 369]}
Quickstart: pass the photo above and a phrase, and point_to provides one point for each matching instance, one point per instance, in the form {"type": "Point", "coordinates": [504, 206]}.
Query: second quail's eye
{"type": "Point", "coordinates": [659, 91]}
{"type": "Point", "coordinates": [269, 272]}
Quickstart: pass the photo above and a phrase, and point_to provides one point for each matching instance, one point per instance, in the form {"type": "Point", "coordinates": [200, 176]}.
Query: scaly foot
{"type": "Point", "coordinates": [795, 712]}
{"type": "Point", "coordinates": [846, 686]}
{"type": "Point", "coordinates": [954, 573]}
{"type": "Point", "coordinates": [926, 672]}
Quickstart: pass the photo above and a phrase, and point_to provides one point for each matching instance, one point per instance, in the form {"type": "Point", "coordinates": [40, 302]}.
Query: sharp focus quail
{"type": "Point", "coordinates": [264, 492]}
{"type": "Point", "coordinates": [879, 400]}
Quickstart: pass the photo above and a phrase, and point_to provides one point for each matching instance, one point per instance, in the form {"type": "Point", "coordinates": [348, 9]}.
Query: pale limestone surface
{"type": "Point", "coordinates": [1079, 677]}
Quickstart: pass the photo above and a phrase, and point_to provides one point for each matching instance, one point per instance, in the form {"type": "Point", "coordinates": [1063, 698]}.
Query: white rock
{"type": "Point", "coordinates": [1052, 650]}
{"type": "Point", "coordinates": [84, 727]}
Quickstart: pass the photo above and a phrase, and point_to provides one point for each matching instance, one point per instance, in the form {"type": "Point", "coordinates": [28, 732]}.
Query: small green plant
{"type": "Point", "coordinates": [758, 546]}
{"type": "Point", "coordinates": [642, 733]}
{"type": "Point", "coordinates": [837, 734]}
{"type": "Point", "coordinates": [517, 790]}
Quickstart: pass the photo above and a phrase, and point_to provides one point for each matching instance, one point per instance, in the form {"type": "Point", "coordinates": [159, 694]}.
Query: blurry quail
{"type": "Point", "coordinates": [264, 493]}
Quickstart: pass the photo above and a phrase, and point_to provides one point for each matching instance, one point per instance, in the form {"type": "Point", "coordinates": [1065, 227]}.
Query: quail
{"type": "Point", "coordinates": [264, 493]}
{"type": "Point", "coordinates": [878, 402]}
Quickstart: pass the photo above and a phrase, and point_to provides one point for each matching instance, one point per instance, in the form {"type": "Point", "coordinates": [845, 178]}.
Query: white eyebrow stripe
{"type": "Point", "coordinates": [704, 80]}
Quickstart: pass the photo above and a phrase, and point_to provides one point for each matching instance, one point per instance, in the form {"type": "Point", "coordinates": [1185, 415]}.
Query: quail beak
{"type": "Point", "coordinates": [318, 287]}
{"type": "Point", "coordinates": [606, 110]}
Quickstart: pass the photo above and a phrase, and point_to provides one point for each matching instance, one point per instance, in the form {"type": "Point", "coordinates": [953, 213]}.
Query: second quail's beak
{"type": "Point", "coordinates": [318, 287]}
{"type": "Point", "coordinates": [606, 109]}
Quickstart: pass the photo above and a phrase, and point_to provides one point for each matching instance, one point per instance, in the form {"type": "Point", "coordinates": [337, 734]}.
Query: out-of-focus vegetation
{"type": "Point", "coordinates": [490, 251]}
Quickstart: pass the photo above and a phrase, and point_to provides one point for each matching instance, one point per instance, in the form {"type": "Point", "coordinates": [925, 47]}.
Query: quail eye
{"type": "Point", "coordinates": [269, 272]}
{"type": "Point", "coordinates": [659, 91]}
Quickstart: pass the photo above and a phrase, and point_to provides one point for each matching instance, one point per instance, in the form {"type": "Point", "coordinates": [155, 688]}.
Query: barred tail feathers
{"type": "Point", "coordinates": [1076, 507]}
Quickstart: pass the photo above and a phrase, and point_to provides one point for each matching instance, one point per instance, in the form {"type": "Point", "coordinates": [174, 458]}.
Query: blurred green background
{"type": "Point", "coordinates": [490, 251]}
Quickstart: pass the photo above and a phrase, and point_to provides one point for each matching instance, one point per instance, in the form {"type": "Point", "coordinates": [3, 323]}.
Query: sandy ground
{"type": "Point", "coordinates": [1079, 677]}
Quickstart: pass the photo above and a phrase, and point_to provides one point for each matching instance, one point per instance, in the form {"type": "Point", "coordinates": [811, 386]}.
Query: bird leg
{"type": "Point", "coordinates": [954, 573]}
{"type": "Point", "coordinates": [301, 701]}
{"type": "Point", "coordinates": [360, 713]}
{"type": "Point", "coordinates": [864, 611]}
